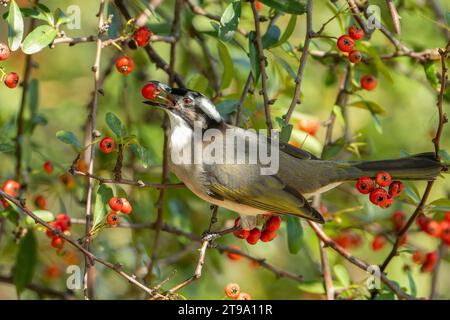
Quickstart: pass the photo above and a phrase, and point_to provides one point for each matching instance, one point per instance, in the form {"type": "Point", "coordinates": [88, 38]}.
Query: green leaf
{"type": "Point", "coordinates": [342, 275]}
{"type": "Point", "coordinates": [227, 107]}
{"type": "Point", "coordinates": [227, 63]}
{"type": "Point", "coordinates": [115, 125]}
{"type": "Point", "coordinates": [6, 147]}
{"type": "Point", "coordinates": [412, 283]}
{"type": "Point", "coordinates": [143, 154]}
{"type": "Point", "coordinates": [337, 110]}
{"type": "Point", "coordinates": [442, 204]}
{"type": "Point", "coordinates": [25, 261]}
{"type": "Point", "coordinates": [45, 215]}
{"type": "Point", "coordinates": [287, 32]}
{"type": "Point", "coordinates": [101, 208]}
{"type": "Point", "coordinates": [253, 54]}
{"type": "Point", "coordinates": [430, 71]}
{"type": "Point", "coordinates": [315, 287]}
{"type": "Point", "coordinates": [288, 6]}
{"type": "Point", "coordinates": [286, 66]}
{"type": "Point", "coordinates": [230, 21]}
{"type": "Point", "coordinates": [368, 105]}
{"type": "Point", "coordinates": [331, 150]}
{"type": "Point", "coordinates": [15, 26]}
{"type": "Point", "coordinates": [294, 233]}
{"type": "Point", "coordinates": [69, 138]}
{"type": "Point", "coordinates": [46, 14]}
{"type": "Point", "coordinates": [271, 36]}
{"type": "Point", "coordinates": [199, 82]}
{"type": "Point", "coordinates": [38, 39]}
{"type": "Point", "coordinates": [61, 18]}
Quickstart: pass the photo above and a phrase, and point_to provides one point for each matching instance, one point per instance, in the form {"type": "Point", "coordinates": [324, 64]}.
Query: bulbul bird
{"type": "Point", "coordinates": [241, 187]}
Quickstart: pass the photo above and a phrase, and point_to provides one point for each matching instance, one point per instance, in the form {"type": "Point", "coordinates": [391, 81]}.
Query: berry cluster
{"type": "Point", "coordinates": [268, 232]}
{"type": "Point", "coordinates": [436, 229]}
{"type": "Point", "coordinates": [348, 239]}
{"type": "Point", "coordinates": [308, 125]}
{"type": "Point", "coordinates": [233, 291]}
{"type": "Point", "coordinates": [377, 194]}
{"type": "Point", "coordinates": [427, 261]}
{"type": "Point", "coordinates": [62, 225]}
{"type": "Point", "coordinates": [11, 80]}
{"type": "Point", "coordinates": [140, 38]}
{"type": "Point", "coordinates": [117, 205]}
{"type": "Point", "coordinates": [346, 44]}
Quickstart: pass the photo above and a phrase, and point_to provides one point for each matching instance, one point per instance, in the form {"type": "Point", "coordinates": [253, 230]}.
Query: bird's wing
{"type": "Point", "coordinates": [244, 184]}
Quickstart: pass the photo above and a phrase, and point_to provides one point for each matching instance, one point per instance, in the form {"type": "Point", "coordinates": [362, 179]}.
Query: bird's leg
{"type": "Point", "coordinates": [209, 235]}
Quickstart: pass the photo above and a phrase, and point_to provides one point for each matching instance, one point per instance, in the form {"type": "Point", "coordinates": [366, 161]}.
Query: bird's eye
{"type": "Point", "coordinates": [187, 100]}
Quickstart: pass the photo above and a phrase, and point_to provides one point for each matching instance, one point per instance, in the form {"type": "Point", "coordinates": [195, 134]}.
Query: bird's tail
{"type": "Point", "coordinates": [422, 166]}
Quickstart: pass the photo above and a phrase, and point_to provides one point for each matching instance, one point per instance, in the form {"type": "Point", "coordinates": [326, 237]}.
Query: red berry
{"type": "Point", "coordinates": [308, 125]}
{"type": "Point", "coordinates": [241, 234]}
{"type": "Point", "coordinates": [345, 43]}
{"type": "Point", "coordinates": [403, 240]}
{"type": "Point", "coordinates": [107, 145]}
{"type": "Point", "coordinates": [378, 195]}
{"type": "Point", "coordinates": [379, 242]}
{"type": "Point", "coordinates": [389, 201]}
{"type": "Point", "coordinates": [445, 231]}
{"type": "Point", "coordinates": [355, 33]}
{"type": "Point", "coordinates": [434, 229]}
{"type": "Point", "coordinates": [273, 224]}
{"type": "Point", "coordinates": [142, 36]}
{"type": "Point", "coordinates": [368, 82]}
{"type": "Point", "coordinates": [12, 80]}
{"type": "Point", "coordinates": [40, 202]}
{"type": "Point", "coordinates": [355, 56]}
{"type": "Point", "coordinates": [258, 5]}
{"type": "Point", "coordinates": [365, 185]}
{"type": "Point", "coordinates": [396, 188]}
{"type": "Point", "coordinates": [232, 290]}
{"type": "Point", "coordinates": [267, 235]}
{"type": "Point", "coordinates": [113, 218]}
{"type": "Point", "coordinates": [383, 179]}
{"type": "Point", "coordinates": [115, 204]}
{"type": "Point", "coordinates": [4, 52]}
{"type": "Point", "coordinates": [254, 236]}
{"type": "Point", "coordinates": [150, 91]}
{"type": "Point", "coordinates": [430, 261]}
{"type": "Point", "coordinates": [126, 206]}
{"type": "Point", "coordinates": [124, 65]}
{"type": "Point", "coordinates": [50, 233]}
{"type": "Point", "coordinates": [447, 216]}
{"type": "Point", "coordinates": [244, 296]}
{"type": "Point", "coordinates": [232, 255]}
{"type": "Point", "coordinates": [418, 257]}
{"type": "Point", "coordinates": [48, 167]}
{"type": "Point", "coordinates": [57, 242]}
{"type": "Point", "coordinates": [63, 220]}
{"type": "Point", "coordinates": [423, 221]}
{"type": "Point", "coordinates": [398, 219]}
{"type": "Point", "coordinates": [11, 187]}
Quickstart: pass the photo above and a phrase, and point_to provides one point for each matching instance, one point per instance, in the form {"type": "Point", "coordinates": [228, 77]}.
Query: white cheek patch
{"type": "Point", "coordinates": [209, 109]}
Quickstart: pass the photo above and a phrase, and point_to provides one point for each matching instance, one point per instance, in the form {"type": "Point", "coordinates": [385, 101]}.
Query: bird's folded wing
{"type": "Point", "coordinates": [245, 185]}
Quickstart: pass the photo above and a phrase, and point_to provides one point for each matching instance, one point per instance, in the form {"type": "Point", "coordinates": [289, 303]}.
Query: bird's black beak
{"type": "Point", "coordinates": [164, 98]}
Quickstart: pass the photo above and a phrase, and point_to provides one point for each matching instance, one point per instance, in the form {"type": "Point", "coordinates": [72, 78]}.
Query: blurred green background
{"type": "Point", "coordinates": [65, 87]}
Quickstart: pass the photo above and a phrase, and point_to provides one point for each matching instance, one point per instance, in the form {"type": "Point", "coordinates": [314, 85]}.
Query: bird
{"type": "Point", "coordinates": [241, 187]}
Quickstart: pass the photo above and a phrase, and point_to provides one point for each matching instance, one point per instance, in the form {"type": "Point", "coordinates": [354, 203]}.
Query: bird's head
{"type": "Point", "coordinates": [186, 106]}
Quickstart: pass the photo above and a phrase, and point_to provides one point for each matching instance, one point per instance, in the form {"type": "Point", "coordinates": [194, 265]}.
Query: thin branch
{"type": "Point", "coordinates": [357, 15]}
{"type": "Point", "coordinates": [435, 272]}
{"type": "Point", "coordinates": [262, 66]}
{"type": "Point", "coordinates": [298, 80]}
{"type": "Point", "coordinates": [41, 290]}
{"type": "Point", "coordinates": [89, 272]}
{"type": "Point", "coordinates": [89, 255]}
{"type": "Point", "coordinates": [357, 262]}
{"type": "Point", "coordinates": [394, 16]}
{"type": "Point", "coordinates": [106, 41]}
